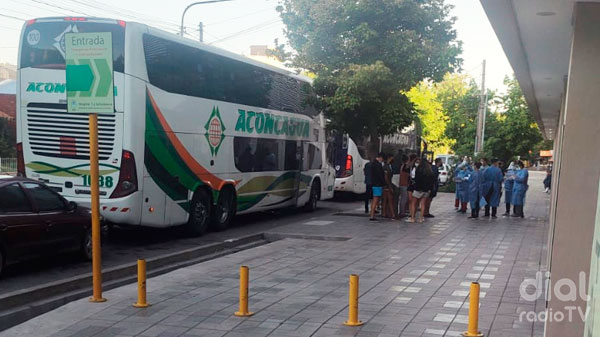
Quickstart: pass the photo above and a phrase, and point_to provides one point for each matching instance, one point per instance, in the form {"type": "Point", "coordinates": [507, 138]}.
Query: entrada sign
{"type": "Point", "coordinates": [89, 69]}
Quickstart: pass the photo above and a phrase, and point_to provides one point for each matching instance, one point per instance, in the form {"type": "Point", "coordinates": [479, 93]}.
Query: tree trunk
{"type": "Point", "coordinates": [373, 147]}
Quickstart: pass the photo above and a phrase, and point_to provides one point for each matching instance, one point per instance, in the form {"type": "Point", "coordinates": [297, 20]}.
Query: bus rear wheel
{"type": "Point", "coordinates": [224, 210]}
{"type": "Point", "coordinates": [199, 213]}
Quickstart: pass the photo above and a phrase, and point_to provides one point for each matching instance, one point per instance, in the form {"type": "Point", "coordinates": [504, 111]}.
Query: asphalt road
{"type": "Point", "coordinates": [127, 245]}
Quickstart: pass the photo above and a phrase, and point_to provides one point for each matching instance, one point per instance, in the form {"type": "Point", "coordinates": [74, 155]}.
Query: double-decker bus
{"type": "Point", "coordinates": [198, 134]}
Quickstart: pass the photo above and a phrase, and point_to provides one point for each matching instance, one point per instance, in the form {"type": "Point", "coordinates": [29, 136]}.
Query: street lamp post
{"type": "Point", "coordinates": [194, 4]}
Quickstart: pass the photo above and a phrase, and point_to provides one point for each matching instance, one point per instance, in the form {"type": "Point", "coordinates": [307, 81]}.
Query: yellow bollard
{"type": "Point", "coordinates": [243, 311]}
{"type": "Point", "coordinates": [353, 303]}
{"type": "Point", "coordinates": [141, 302]}
{"type": "Point", "coordinates": [95, 204]}
{"type": "Point", "coordinates": [472, 328]}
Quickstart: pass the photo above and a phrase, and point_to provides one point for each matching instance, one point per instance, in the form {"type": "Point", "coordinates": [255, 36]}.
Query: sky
{"type": "Point", "coordinates": [237, 24]}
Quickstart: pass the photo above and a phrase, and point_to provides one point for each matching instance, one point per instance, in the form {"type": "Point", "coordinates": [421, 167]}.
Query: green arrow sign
{"type": "Point", "coordinates": [89, 73]}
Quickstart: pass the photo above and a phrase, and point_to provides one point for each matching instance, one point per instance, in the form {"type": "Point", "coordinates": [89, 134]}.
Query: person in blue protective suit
{"type": "Point", "coordinates": [475, 191]}
{"type": "Point", "coordinates": [520, 189]}
{"type": "Point", "coordinates": [462, 185]}
{"type": "Point", "coordinates": [508, 186]}
{"type": "Point", "coordinates": [490, 188]}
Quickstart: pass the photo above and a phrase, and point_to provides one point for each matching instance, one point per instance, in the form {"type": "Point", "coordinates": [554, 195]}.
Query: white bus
{"type": "Point", "coordinates": [350, 161]}
{"type": "Point", "coordinates": [350, 158]}
{"type": "Point", "coordinates": [198, 134]}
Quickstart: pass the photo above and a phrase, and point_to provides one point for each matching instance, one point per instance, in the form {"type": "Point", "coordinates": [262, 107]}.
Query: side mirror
{"type": "Point", "coordinates": [71, 206]}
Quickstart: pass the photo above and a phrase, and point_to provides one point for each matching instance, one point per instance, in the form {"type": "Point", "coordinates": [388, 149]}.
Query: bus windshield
{"type": "Point", "coordinates": [43, 44]}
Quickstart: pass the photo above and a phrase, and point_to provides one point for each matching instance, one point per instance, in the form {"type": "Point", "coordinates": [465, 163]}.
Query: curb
{"type": "Point", "coordinates": [43, 298]}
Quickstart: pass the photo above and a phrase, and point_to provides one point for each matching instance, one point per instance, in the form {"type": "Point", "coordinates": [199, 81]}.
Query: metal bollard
{"type": "Point", "coordinates": [353, 303]}
{"type": "Point", "coordinates": [141, 302]}
{"type": "Point", "coordinates": [243, 311]}
{"type": "Point", "coordinates": [472, 328]}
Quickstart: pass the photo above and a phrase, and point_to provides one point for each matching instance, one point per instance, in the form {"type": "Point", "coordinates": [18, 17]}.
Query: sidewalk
{"type": "Point", "coordinates": [414, 281]}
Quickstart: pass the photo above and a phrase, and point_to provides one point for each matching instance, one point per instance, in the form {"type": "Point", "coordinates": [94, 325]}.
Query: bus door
{"type": "Point", "coordinates": [299, 165]}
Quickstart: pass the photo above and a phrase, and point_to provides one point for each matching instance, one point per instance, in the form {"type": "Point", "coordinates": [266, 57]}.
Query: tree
{"type": "Point", "coordinates": [513, 131]}
{"type": "Point", "coordinates": [459, 97]}
{"type": "Point", "coordinates": [279, 52]}
{"type": "Point", "coordinates": [366, 53]}
{"type": "Point", "coordinates": [7, 138]}
{"type": "Point", "coordinates": [432, 116]}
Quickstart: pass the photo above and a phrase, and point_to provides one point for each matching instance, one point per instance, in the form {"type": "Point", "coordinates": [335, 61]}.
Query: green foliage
{"type": "Point", "coordinates": [365, 53]}
{"type": "Point", "coordinates": [362, 99]}
{"type": "Point", "coordinates": [459, 97]}
{"type": "Point", "coordinates": [512, 132]}
{"type": "Point", "coordinates": [279, 52]}
{"type": "Point", "coordinates": [432, 115]}
{"type": "Point", "coordinates": [7, 139]}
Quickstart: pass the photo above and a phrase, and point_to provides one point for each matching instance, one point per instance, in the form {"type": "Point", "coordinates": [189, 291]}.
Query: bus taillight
{"type": "Point", "coordinates": [73, 18]}
{"type": "Point", "coordinates": [20, 160]}
{"type": "Point", "coordinates": [30, 22]}
{"type": "Point", "coordinates": [127, 176]}
{"type": "Point", "coordinates": [348, 171]}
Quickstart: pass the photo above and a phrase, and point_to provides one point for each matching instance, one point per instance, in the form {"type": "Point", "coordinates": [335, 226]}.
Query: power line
{"type": "Point", "coordinates": [237, 17]}
{"type": "Point", "coordinates": [252, 29]}
{"type": "Point", "coordinates": [12, 17]}
{"type": "Point", "coordinates": [37, 7]}
{"type": "Point", "coordinates": [66, 9]}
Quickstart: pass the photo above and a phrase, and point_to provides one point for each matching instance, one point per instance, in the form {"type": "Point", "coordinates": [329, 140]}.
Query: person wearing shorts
{"type": "Point", "coordinates": [423, 186]}
{"type": "Point", "coordinates": [378, 181]}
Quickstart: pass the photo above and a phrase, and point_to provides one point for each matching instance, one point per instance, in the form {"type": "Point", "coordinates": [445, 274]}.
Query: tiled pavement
{"type": "Point", "coordinates": [414, 281]}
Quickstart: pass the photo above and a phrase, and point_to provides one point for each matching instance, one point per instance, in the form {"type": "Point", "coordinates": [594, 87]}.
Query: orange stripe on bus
{"type": "Point", "coordinates": [212, 180]}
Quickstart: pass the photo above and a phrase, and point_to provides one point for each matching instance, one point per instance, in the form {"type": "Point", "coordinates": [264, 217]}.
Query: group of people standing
{"type": "Point", "coordinates": [480, 185]}
{"type": "Point", "coordinates": [402, 187]}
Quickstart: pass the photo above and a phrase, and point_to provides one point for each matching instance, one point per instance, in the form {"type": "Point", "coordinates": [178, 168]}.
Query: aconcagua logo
{"type": "Point", "coordinates": [267, 123]}
{"type": "Point", "coordinates": [48, 87]}
{"type": "Point", "coordinates": [215, 131]}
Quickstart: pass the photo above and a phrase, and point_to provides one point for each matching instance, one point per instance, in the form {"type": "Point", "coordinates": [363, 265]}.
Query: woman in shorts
{"type": "Point", "coordinates": [424, 180]}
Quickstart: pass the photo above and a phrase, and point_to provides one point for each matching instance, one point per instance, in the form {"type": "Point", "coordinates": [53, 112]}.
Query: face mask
{"type": "Point", "coordinates": [417, 165]}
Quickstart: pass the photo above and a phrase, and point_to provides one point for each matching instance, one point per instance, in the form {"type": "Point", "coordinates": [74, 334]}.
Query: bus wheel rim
{"type": "Point", "coordinates": [200, 212]}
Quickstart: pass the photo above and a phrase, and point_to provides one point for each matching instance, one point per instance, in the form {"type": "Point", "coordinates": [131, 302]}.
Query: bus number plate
{"type": "Point", "coordinates": [102, 181]}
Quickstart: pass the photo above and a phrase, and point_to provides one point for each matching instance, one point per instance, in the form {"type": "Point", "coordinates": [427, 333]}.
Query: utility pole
{"type": "Point", "coordinates": [194, 4]}
{"type": "Point", "coordinates": [201, 32]}
{"type": "Point", "coordinates": [481, 112]}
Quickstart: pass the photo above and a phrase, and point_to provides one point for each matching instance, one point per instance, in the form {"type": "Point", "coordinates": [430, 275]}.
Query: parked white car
{"type": "Point", "coordinates": [444, 176]}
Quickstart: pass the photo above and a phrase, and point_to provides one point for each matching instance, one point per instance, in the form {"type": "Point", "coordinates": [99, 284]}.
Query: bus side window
{"type": "Point", "coordinates": [291, 158]}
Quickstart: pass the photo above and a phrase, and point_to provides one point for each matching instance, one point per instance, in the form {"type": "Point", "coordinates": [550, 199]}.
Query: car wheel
{"type": "Point", "coordinates": [199, 213]}
{"type": "Point", "coordinates": [311, 205]}
{"type": "Point", "coordinates": [86, 245]}
{"type": "Point", "coordinates": [225, 210]}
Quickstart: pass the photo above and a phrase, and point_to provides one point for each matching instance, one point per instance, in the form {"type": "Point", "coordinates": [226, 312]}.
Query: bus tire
{"type": "Point", "coordinates": [225, 209]}
{"type": "Point", "coordinates": [199, 213]}
{"type": "Point", "coordinates": [311, 205]}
